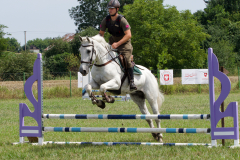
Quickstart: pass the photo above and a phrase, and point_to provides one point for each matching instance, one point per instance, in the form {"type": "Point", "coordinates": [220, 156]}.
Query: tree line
{"type": "Point", "coordinates": [162, 36]}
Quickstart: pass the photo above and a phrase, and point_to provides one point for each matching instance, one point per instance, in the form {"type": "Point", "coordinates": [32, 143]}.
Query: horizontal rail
{"type": "Point", "coordinates": [127, 130]}
{"type": "Point", "coordinates": [134, 116]}
{"type": "Point", "coordinates": [128, 143]}
{"type": "Point", "coordinates": [98, 96]}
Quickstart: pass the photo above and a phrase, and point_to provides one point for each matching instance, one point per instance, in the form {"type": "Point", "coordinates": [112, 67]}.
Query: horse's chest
{"type": "Point", "coordinates": [100, 78]}
{"type": "Point", "coordinates": [102, 74]}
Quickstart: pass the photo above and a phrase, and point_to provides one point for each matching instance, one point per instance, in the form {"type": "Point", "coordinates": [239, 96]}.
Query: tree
{"type": "Point", "coordinates": [123, 3]}
{"type": "Point", "coordinates": [221, 20]}
{"type": "Point", "coordinates": [231, 6]}
{"type": "Point", "coordinates": [76, 44]}
{"type": "Point", "coordinates": [40, 43]}
{"type": "Point", "coordinates": [57, 63]}
{"type": "Point", "coordinates": [73, 62]}
{"type": "Point", "coordinates": [163, 37]}
{"type": "Point", "coordinates": [13, 45]}
{"type": "Point", "coordinates": [12, 64]}
{"type": "Point", "coordinates": [91, 12]}
{"type": "Point", "coordinates": [88, 13]}
{"type": "Point", "coordinates": [3, 41]}
{"type": "Point", "coordinates": [58, 46]}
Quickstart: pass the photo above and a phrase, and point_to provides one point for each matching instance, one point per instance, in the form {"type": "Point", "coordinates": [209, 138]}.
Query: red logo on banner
{"type": "Point", "coordinates": [166, 77]}
{"type": "Point", "coordinates": [205, 74]}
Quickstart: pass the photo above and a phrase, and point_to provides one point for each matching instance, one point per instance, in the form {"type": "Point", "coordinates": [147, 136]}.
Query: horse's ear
{"type": "Point", "coordinates": [80, 38]}
{"type": "Point", "coordinates": [88, 39]}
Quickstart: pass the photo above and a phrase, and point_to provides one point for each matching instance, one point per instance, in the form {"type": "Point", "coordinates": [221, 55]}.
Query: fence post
{"type": "Point", "coordinates": [23, 84]}
{"type": "Point", "coordinates": [70, 86]}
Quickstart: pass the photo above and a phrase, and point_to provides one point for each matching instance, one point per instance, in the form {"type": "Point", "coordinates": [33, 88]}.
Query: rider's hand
{"type": "Point", "coordinates": [114, 45]}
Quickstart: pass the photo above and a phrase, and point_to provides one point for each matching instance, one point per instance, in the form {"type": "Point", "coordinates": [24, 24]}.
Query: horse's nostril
{"type": "Point", "coordinates": [84, 71]}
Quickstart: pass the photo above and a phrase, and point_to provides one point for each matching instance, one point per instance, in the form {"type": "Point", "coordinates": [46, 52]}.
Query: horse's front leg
{"type": "Point", "coordinates": [113, 84]}
{"type": "Point", "coordinates": [88, 88]}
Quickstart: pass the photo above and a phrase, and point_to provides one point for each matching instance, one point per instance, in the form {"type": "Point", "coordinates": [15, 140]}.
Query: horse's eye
{"type": "Point", "coordinates": [88, 51]}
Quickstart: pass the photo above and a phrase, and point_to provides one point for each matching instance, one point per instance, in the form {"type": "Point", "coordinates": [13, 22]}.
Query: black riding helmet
{"type": "Point", "coordinates": [113, 4]}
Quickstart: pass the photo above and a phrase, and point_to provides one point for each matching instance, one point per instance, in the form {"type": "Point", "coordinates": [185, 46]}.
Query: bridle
{"type": "Point", "coordinates": [93, 52]}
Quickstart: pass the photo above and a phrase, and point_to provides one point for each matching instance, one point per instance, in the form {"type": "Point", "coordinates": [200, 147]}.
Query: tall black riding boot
{"type": "Point", "coordinates": [131, 78]}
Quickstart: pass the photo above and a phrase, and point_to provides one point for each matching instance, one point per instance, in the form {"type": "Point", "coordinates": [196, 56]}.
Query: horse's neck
{"type": "Point", "coordinates": [104, 55]}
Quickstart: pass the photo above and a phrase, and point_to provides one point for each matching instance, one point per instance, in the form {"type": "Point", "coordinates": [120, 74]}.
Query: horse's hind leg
{"type": "Point", "coordinates": [154, 105]}
{"type": "Point", "coordinates": [139, 98]}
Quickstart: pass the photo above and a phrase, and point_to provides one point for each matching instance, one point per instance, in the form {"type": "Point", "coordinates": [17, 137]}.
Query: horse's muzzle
{"type": "Point", "coordinates": [83, 70]}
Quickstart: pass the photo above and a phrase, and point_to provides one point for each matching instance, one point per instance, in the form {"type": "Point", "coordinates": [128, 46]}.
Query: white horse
{"type": "Point", "coordinates": [108, 78]}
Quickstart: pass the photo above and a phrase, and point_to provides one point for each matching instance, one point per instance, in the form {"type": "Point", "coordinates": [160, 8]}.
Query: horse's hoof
{"type": "Point", "coordinates": [101, 104]}
{"type": "Point", "coordinates": [158, 137]}
{"type": "Point", "coordinates": [111, 99]}
{"type": "Point", "coordinates": [94, 102]}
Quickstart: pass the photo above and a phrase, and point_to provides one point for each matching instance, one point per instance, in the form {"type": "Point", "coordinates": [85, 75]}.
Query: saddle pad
{"type": "Point", "coordinates": [136, 70]}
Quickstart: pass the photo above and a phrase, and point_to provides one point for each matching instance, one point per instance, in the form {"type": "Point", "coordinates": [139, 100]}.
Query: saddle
{"type": "Point", "coordinates": [123, 61]}
{"type": "Point", "coordinates": [123, 64]}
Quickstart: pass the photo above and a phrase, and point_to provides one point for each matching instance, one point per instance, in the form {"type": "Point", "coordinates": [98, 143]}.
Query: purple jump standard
{"type": "Point", "coordinates": [216, 114]}
{"type": "Point", "coordinates": [32, 131]}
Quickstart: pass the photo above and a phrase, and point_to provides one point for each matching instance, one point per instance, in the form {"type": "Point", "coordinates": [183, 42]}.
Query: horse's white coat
{"type": "Point", "coordinates": [109, 78]}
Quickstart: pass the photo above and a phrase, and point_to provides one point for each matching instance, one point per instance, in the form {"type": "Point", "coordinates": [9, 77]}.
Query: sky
{"type": "Point", "coordinates": [50, 18]}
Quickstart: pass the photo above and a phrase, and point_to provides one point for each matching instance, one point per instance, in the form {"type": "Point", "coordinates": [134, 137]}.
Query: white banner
{"type": "Point", "coordinates": [80, 78]}
{"type": "Point", "coordinates": [86, 79]}
{"type": "Point", "coordinates": [83, 80]}
{"type": "Point", "coordinates": [166, 77]}
{"type": "Point", "coordinates": [194, 76]}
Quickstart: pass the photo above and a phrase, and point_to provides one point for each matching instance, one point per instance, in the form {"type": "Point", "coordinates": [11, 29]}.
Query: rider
{"type": "Point", "coordinates": [120, 32]}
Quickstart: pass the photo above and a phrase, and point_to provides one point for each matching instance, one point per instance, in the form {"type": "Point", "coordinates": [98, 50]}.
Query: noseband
{"type": "Point", "coordinates": [93, 52]}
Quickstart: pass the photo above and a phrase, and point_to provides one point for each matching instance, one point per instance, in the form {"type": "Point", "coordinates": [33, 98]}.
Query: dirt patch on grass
{"type": "Point", "coordinates": [12, 85]}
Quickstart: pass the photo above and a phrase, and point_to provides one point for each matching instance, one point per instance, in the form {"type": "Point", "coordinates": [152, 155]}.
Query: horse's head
{"type": "Point", "coordinates": [88, 54]}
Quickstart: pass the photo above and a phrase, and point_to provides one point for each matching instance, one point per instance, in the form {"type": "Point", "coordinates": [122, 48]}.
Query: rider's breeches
{"type": "Point", "coordinates": [126, 49]}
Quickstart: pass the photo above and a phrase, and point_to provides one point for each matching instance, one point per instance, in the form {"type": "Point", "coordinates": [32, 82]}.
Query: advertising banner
{"type": "Point", "coordinates": [194, 76]}
{"type": "Point", "coordinates": [166, 77]}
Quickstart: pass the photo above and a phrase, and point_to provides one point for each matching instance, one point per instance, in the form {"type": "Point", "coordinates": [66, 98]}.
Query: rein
{"type": "Point", "coordinates": [113, 59]}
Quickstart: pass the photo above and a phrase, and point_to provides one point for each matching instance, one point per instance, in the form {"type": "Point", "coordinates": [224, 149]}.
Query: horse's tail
{"type": "Point", "coordinates": [160, 99]}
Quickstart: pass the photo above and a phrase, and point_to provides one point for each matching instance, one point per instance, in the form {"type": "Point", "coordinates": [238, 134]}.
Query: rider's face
{"type": "Point", "coordinates": [112, 11]}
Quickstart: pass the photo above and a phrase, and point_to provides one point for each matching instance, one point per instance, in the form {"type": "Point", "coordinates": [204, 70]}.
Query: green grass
{"type": "Point", "coordinates": [174, 104]}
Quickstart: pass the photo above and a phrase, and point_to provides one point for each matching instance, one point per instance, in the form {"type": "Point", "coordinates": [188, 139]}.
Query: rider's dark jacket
{"type": "Point", "coordinates": [115, 29]}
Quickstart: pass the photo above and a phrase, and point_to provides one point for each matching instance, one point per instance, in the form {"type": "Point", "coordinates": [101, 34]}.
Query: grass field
{"type": "Point", "coordinates": [174, 104]}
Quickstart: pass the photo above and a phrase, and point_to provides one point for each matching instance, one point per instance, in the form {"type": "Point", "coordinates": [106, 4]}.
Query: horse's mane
{"type": "Point", "coordinates": [101, 40]}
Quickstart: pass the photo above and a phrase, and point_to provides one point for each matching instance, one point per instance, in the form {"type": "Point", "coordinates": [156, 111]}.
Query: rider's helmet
{"type": "Point", "coordinates": [113, 4]}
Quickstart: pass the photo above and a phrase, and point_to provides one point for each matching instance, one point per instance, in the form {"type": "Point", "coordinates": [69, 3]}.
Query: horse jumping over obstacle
{"type": "Point", "coordinates": [215, 116]}
{"type": "Point", "coordinates": [107, 74]}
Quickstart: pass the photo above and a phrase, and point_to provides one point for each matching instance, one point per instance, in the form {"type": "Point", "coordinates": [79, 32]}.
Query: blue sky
{"type": "Point", "coordinates": [50, 18]}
